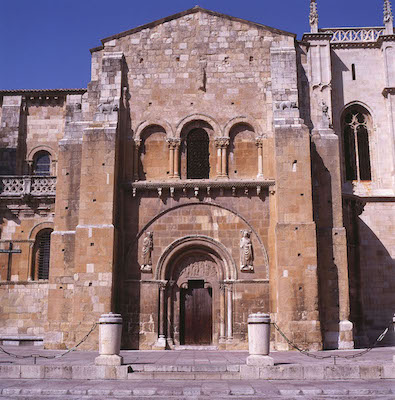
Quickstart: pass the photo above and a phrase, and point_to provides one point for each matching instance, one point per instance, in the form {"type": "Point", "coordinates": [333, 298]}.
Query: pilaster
{"type": "Point", "coordinates": [296, 283]}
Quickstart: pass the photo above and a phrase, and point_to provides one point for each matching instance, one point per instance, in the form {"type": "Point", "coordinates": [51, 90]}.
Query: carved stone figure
{"type": "Point", "coordinates": [246, 251]}
{"type": "Point", "coordinates": [326, 120]}
{"type": "Point", "coordinates": [148, 246]}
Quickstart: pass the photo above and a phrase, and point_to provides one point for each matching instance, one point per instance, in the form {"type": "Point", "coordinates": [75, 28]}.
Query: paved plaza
{"type": "Point", "coordinates": [209, 362]}
{"type": "Point", "coordinates": [380, 355]}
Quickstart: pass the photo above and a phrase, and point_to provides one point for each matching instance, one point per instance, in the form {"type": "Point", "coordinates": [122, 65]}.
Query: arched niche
{"type": "Point", "coordinates": [242, 151]}
{"type": "Point", "coordinates": [153, 153]}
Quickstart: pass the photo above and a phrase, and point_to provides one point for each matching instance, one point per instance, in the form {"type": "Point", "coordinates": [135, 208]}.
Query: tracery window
{"type": "Point", "coordinates": [356, 126]}
{"type": "Point", "coordinates": [42, 163]}
{"type": "Point", "coordinates": [41, 255]}
{"type": "Point", "coordinates": [198, 165]}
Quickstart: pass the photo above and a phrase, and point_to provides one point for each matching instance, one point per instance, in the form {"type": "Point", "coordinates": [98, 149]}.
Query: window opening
{"type": "Point", "coordinates": [43, 254]}
{"type": "Point", "coordinates": [356, 145]}
{"type": "Point", "coordinates": [42, 164]}
{"type": "Point", "coordinates": [354, 77]}
{"type": "Point", "coordinates": [198, 165]}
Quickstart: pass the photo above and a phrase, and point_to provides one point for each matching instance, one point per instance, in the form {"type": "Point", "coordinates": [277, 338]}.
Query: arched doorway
{"type": "Point", "coordinates": [196, 276]}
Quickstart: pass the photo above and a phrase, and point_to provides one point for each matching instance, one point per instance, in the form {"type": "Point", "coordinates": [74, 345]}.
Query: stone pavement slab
{"type": "Point", "coordinates": [378, 355]}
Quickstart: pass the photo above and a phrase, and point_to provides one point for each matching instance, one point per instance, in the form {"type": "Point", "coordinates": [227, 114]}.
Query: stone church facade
{"type": "Point", "coordinates": [214, 167]}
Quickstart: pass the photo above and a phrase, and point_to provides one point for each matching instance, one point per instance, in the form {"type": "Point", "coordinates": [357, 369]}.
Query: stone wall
{"type": "Point", "coordinates": [23, 308]}
{"type": "Point", "coordinates": [377, 254]}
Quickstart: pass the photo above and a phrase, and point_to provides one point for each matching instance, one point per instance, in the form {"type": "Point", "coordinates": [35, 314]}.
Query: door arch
{"type": "Point", "coordinates": [196, 277]}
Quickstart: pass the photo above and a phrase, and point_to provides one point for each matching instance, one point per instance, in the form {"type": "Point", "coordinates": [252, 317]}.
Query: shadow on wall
{"type": "Point", "coordinates": [377, 290]}
{"type": "Point", "coordinates": [327, 269]}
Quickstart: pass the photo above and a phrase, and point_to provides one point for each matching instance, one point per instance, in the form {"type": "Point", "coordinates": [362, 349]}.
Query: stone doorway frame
{"type": "Point", "coordinates": [169, 289]}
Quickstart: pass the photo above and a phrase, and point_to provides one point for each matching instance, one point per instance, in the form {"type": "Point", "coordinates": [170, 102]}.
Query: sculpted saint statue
{"type": "Point", "coordinates": [246, 251]}
{"type": "Point", "coordinates": [148, 246]}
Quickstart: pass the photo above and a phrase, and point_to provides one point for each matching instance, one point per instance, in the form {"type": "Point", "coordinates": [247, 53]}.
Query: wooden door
{"type": "Point", "coordinates": [196, 315]}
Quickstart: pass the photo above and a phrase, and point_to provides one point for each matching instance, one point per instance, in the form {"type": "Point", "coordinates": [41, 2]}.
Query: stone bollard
{"type": "Point", "coordinates": [110, 331]}
{"type": "Point", "coordinates": [259, 340]}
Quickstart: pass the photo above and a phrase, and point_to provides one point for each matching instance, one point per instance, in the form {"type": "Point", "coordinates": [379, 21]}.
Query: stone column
{"type": "Point", "coordinates": [169, 312]}
{"type": "Point", "coordinates": [137, 144]}
{"type": "Point", "coordinates": [161, 342]}
{"type": "Point", "coordinates": [229, 289]}
{"type": "Point", "coordinates": [222, 313]}
{"type": "Point", "coordinates": [177, 158]}
{"type": "Point", "coordinates": [219, 159]}
{"type": "Point", "coordinates": [221, 143]}
{"type": "Point", "coordinates": [174, 145]}
{"type": "Point", "coordinates": [259, 145]}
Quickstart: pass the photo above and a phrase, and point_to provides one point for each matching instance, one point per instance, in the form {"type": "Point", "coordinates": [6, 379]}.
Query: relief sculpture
{"type": "Point", "coordinates": [246, 252]}
{"type": "Point", "coordinates": [148, 246]}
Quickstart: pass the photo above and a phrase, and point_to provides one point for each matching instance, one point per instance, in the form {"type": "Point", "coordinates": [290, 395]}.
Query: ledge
{"type": "Point", "coordinates": [197, 185]}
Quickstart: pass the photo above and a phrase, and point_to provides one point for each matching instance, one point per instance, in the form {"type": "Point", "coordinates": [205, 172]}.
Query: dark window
{"type": "Point", "coordinates": [198, 165]}
{"type": "Point", "coordinates": [42, 254]}
{"type": "Point", "coordinates": [354, 76]}
{"type": "Point", "coordinates": [356, 144]}
{"type": "Point", "coordinates": [42, 164]}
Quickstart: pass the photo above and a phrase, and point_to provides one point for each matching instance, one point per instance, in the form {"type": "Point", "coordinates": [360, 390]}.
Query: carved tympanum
{"type": "Point", "coordinates": [196, 267]}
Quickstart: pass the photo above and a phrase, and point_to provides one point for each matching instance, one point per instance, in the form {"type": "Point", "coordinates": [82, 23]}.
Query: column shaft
{"type": "Point", "coordinates": [230, 313]}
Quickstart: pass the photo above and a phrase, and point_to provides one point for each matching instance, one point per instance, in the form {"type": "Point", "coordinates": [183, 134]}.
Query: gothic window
{"type": "Point", "coordinates": [356, 127]}
{"type": "Point", "coordinates": [42, 163]}
{"type": "Point", "coordinates": [41, 254]}
{"type": "Point", "coordinates": [198, 165]}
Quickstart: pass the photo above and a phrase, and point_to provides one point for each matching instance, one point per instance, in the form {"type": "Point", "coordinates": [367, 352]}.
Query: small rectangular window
{"type": "Point", "coordinates": [354, 77]}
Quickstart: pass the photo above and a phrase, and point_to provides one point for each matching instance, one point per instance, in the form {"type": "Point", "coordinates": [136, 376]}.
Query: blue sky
{"type": "Point", "coordinates": [45, 43]}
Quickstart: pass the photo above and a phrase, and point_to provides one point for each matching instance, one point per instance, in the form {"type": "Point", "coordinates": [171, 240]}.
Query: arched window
{"type": "Point", "coordinates": [41, 254]}
{"type": "Point", "coordinates": [42, 163]}
{"type": "Point", "coordinates": [357, 123]}
{"type": "Point", "coordinates": [198, 164]}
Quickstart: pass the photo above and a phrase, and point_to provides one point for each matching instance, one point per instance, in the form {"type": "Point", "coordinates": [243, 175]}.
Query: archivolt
{"type": "Point", "coordinates": [243, 120]}
{"type": "Point", "coordinates": [145, 124]}
{"type": "Point", "coordinates": [199, 117]}
{"type": "Point", "coordinates": [201, 242]}
{"type": "Point", "coordinates": [148, 224]}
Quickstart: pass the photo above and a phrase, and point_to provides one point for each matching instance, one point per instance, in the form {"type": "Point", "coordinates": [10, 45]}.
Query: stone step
{"type": "Point", "coordinates": [196, 390]}
{"type": "Point", "coordinates": [196, 348]}
{"type": "Point", "coordinates": [310, 372]}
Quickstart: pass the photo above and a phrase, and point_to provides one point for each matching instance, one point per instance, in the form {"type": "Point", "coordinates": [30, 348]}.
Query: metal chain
{"type": "Point", "coordinates": [334, 356]}
{"type": "Point", "coordinates": [35, 356]}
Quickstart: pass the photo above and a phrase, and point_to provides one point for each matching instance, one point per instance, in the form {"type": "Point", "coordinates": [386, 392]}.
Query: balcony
{"type": "Point", "coordinates": [354, 35]}
{"type": "Point", "coordinates": [25, 186]}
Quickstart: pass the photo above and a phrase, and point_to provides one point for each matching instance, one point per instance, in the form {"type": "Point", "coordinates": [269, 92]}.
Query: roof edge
{"type": "Point", "coordinates": [36, 92]}
{"type": "Point", "coordinates": [186, 12]}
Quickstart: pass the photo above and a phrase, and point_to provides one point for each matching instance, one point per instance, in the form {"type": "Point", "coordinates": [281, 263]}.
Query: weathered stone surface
{"type": "Point", "coordinates": [269, 158]}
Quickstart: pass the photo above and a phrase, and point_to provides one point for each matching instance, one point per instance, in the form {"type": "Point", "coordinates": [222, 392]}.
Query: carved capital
{"type": "Point", "coordinates": [259, 141]}
{"type": "Point", "coordinates": [137, 143]}
{"type": "Point", "coordinates": [221, 142]}
{"type": "Point", "coordinates": [173, 143]}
